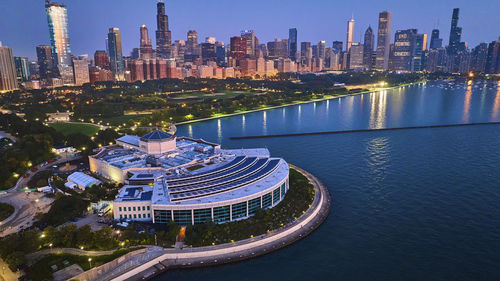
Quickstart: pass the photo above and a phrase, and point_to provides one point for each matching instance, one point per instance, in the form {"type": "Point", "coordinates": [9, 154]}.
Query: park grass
{"type": "Point", "coordinates": [119, 120]}
{"type": "Point", "coordinates": [42, 270]}
{"type": "Point", "coordinates": [5, 211]}
{"type": "Point", "coordinates": [73, 128]}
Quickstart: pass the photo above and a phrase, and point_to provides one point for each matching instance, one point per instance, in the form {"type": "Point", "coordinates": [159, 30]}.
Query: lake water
{"type": "Point", "coordinates": [420, 204]}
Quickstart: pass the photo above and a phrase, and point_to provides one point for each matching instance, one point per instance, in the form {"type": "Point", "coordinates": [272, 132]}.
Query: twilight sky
{"type": "Point", "coordinates": [24, 25]}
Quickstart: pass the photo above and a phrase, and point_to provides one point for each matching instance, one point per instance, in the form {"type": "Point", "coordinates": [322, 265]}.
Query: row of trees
{"type": "Point", "coordinates": [33, 145]}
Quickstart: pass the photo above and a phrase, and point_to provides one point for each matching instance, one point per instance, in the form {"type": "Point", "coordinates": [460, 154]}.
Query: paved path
{"type": "Point", "coordinates": [26, 205]}
{"type": "Point", "coordinates": [241, 250]}
{"type": "Point", "coordinates": [33, 257]}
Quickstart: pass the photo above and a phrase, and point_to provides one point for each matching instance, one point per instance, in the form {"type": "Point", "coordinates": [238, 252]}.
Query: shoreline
{"type": "Point", "coordinates": [246, 249]}
{"type": "Point", "coordinates": [292, 104]}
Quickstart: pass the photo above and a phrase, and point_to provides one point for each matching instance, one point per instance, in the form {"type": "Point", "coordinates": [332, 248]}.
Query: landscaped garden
{"type": "Point", "coordinates": [297, 200]}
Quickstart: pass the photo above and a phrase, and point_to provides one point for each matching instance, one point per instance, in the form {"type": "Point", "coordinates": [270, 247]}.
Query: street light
{"type": "Point", "coordinates": [90, 262]}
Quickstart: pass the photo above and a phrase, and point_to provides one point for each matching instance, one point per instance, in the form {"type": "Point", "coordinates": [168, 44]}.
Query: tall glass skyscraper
{"type": "Point", "coordinates": [292, 43]}
{"type": "Point", "coordinates": [57, 18]}
{"type": "Point", "coordinates": [163, 34]}
{"type": "Point", "coordinates": [383, 40]}
{"type": "Point", "coordinates": [455, 33]}
{"type": "Point", "coordinates": [115, 53]}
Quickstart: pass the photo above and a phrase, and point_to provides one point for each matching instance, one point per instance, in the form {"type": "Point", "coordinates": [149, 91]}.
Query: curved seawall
{"type": "Point", "coordinates": [244, 249]}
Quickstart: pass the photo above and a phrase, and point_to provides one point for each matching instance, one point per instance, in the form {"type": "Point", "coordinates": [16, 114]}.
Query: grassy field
{"type": "Point", "coordinates": [5, 211]}
{"type": "Point", "coordinates": [71, 128]}
{"type": "Point", "coordinates": [119, 120]}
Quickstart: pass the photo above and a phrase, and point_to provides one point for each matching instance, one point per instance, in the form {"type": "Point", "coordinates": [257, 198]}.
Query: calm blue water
{"type": "Point", "coordinates": [407, 205]}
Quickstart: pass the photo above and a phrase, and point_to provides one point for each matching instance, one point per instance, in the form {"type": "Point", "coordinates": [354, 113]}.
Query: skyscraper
{"type": "Point", "coordinates": [249, 36]}
{"type": "Point", "coordinates": [322, 49]}
{"type": "Point", "coordinates": [22, 69]}
{"type": "Point", "coordinates": [436, 42]}
{"type": "Point", "coordinates": [383, 40]}
{"type": "Point", "coordinates": [337, 46]}
{"type": "Point", "coordinates": [479, 58]}
{"type": "Point", "coordinates": [57, 19]}
{"type": "Point", "coordinates": [163, 34]}
{"type": "Point", "coordinates": [493, 58]}
{"type": "Point", "coordinates": [350, 34]}
{"type": "Point", "coordinates": [356, 56]}
{"type": "Point", "coordinates": [81, 72]}
{"type": "Point", "coordinates": [404, 46]}
{"type": "Point", "coordinates": [192, 43]}
{"type": "Point", "coordinates": [368, 45]}
{"type": "Point", "coordinates": [101, 59]}
{"type": "Point", "coordinates": [45, 61]}
{"type": "Point", "coordinates": [238, 47]}
{"type": "Point", "coordinates": [292, 43]}
{"type": "Point", "coordinates": [455, 33]}
{"type": "Point", "coordinates": [115, 53]}
{"type": "Point", "coordinates": [304, 47]}
{"type": "Point", "coordinates": [418, 52]}
{"type": "Point", "coordinates": [146, 48]}
{"type": "Point", "coordinates": [8, 80]}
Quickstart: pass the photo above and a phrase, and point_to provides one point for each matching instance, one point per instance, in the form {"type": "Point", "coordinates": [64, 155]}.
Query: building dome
{"type": "Point", "coordinates": [156, 135]}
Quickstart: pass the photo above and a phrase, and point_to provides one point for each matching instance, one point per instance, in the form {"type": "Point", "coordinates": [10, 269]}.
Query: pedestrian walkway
{"type": "Point", "coordinates": [244, 249]}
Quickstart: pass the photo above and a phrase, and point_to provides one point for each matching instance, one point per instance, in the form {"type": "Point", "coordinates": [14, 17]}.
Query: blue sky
{"type": "Point", "coordinates": [24, 25]}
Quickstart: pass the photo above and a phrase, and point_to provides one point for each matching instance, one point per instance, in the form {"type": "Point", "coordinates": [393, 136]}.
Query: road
{"type": "Point", "coordinates": [25, 204]}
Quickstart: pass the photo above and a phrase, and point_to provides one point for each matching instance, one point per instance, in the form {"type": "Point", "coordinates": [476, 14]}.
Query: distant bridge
{"type": "Point", "coordinates": [363, 131]}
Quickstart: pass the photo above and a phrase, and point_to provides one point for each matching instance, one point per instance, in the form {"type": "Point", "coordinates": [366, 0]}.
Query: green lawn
{"type": "Point", "coordinates": [119, 120]}
{"type": "Point", "coordinates": [5, 211]}
{"type": "Point", "coordinates": [71, 128]}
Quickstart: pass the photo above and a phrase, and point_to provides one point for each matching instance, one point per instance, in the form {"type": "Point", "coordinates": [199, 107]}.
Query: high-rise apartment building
{"type": "Point", "coordinates": [350, 34]}
{"type": "Point", "coordinates": [8, 81]}
{"type": "Point", "coordinates": [81, 72]}
{"type": "Point", "coordinates": [22, 69]}
{"type": "Point", "coordinates": [57, 18]}
{"type": "Point", "coordinates": [163, 33]}
{"type": "Point", "coordinates": [45, 61]}
{"type": "Point", "coordinates": [115, 53]}
{"type": "Point", "coordinates": [383, 40]}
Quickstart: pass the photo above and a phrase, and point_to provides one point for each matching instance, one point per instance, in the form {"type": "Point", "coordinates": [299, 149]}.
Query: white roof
{"type": "Point", "coordinates": [82, 179]}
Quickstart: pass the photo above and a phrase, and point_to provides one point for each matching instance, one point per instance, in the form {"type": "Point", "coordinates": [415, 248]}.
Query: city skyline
{"type": "Point", "coordinates": [86, 37]}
